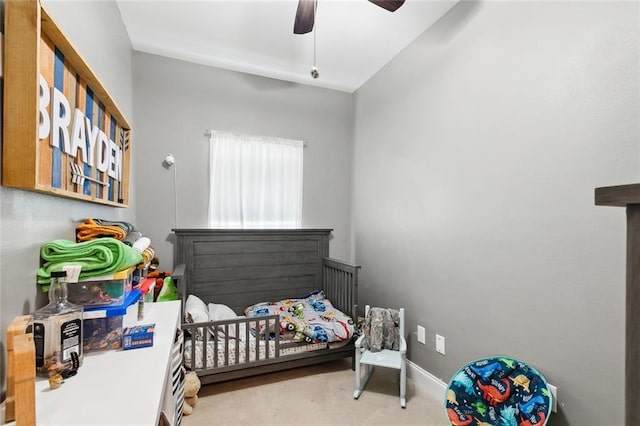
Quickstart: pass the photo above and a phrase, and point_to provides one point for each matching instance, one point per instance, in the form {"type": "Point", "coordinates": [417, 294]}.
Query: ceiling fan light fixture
{"type": "Point", "coordinates": [305, 17]}
{"type": "Point", "coordinates": [306, 13]}
{"type": "Point", "coordinates": [390, 5]}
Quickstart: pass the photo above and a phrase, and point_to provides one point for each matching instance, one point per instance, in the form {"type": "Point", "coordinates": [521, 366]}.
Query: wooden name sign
{"type": "Point", "coordinates": [63, 134]}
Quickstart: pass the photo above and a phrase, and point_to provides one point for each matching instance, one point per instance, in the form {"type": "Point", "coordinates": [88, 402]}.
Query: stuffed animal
{"type": "Point", "coordinates": [159, 276]}
{"type": "Point", "coordinates": [191, 388]}
{"type": "Point", "coordinates": [153, 265]}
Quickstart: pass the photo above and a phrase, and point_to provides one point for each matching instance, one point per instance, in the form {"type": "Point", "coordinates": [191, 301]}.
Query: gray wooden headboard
{"type": "Point", "coordinates": [241, 267]}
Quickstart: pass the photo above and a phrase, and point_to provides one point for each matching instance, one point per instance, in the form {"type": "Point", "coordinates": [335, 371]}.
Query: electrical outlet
{"type": "Point", "coordinates": [440, 344]}
{"type": "Point", "coordinates": [554, 397]}
{"type": "Point", "coordinates": [421, 335]}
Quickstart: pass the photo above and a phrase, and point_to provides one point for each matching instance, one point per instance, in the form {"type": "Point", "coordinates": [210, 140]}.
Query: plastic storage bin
{"type": "Point", "coordinates": [102, 327]}
{"type": "Point", "coordinates": [109, 290]}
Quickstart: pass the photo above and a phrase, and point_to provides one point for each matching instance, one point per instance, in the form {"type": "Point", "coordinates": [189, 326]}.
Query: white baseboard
{"type": "Point", "coordinates": [426, 382]}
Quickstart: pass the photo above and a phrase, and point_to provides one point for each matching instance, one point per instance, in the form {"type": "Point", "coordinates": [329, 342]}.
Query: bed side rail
{"type": "Point", "coordinates": [340, 284]}
{"type": "Point", "coordinates": [214, 335]}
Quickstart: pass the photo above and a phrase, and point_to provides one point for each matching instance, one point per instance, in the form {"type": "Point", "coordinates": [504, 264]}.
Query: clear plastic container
{"type": "Point", "coordinates": [104, 291]}
{"type": "Point", "coordinates": [103, 326]}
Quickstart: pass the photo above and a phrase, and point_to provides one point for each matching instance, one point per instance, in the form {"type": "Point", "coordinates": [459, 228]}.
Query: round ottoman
{"type": "Point", "coordinates": [498, 391]}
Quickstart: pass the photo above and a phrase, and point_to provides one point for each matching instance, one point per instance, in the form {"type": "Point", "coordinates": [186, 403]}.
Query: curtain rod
{"type": "Point", "coordinates": [207, 133]}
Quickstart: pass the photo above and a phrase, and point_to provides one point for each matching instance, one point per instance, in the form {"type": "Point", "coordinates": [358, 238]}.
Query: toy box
{"type": "Point", "coordinates": [139, 336]}
{"type": "Point", "coordinates": [110, 290]}
{"type": "Point", "coordinates": [102, 326]}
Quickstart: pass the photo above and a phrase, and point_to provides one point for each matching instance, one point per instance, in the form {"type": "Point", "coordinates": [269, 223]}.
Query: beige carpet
{"type": "Point", "coordinates": [316, 395]}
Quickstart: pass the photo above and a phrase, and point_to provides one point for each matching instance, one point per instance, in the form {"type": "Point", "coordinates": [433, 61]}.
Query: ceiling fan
{"type": "Point", "coordinates": [305, 15]}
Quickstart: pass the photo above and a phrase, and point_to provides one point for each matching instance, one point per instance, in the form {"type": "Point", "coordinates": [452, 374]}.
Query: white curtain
{"type": "Point", "coordinates": [255, 182]}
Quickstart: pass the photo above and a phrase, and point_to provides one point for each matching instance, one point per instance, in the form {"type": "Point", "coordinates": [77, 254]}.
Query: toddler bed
{"type": "Point", "coordinates": [278, 276]}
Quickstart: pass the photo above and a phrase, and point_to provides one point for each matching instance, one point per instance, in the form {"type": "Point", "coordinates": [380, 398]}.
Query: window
{"type": "Point", "coordinates": [254, 182]}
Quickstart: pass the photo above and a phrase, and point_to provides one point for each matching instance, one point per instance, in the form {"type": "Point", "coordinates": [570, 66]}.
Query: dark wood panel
{"type": "Point", "coordinates": [254, 246]}
{"type": "Point", "coordinates": [239, 294]}
{"type": "Point", "coordinates": [257, 272]}
{"type": "Point", "coordinates": [239, 301]}
{"type": "Point", "coordinates": [255, 284]}
{"type": "Point", "coordinates": [618, 196]}
{"type": "Point", "coordinates": [632, 331]}
{"type": "Point", "coordinates": [254, 259]}
{"type": "Point", "coordinates": [262, 233]}
{"type": "Point", "coordinates": [629, 196]}
{"type": "Point", "coordinates": [249, 297]}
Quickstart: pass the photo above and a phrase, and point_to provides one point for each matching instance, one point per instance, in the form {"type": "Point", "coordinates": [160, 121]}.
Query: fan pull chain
{"type": "Point", "coordinates": [314, 69]}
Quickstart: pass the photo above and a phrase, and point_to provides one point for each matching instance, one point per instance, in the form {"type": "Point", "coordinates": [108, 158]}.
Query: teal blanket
{"type": "Point", "coordinates": [102, 256]}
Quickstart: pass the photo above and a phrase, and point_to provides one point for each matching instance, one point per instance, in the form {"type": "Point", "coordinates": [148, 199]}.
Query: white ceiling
{"type": "Point", "coordinates": [354, 38]}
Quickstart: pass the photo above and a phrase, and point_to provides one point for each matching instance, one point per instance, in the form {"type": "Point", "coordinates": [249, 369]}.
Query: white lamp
{"type": "Point", "coordinates": [169, 162]}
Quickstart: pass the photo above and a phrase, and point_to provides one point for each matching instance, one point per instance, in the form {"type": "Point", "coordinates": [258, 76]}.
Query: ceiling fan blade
{"type": "Point", "coordinates": [390, 5]}
{"type": "Point", "coordinates": [305, 17]}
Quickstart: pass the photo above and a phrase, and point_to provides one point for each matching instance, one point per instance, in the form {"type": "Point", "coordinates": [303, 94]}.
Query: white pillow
{"type": "Point", "coordinates": [196, 308]}
{"type": "Point", "coordinates": [220, 312]}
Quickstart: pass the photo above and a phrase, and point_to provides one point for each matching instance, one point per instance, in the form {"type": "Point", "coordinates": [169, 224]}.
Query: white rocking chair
{"type": "Point", "coordinates": [385, 358]}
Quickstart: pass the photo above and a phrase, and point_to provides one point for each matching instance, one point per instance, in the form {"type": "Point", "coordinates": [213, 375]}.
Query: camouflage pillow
{"type": "Point", "coordinates": [382, 329]}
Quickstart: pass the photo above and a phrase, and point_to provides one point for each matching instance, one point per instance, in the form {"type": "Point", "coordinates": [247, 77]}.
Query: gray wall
{"type": "Point", "coordinates": [176, 101]}
{"type": "Point", "coordinates": [476, 154]}
{"type": "Point", "coordinates": [28, 219]}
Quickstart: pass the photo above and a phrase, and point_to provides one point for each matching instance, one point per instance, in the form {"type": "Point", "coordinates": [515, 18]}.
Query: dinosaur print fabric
{"type": "Point", "coordinates": [498, 391]}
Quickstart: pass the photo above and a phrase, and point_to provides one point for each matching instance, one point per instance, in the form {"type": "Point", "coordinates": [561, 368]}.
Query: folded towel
{"type": "Point", "coordinates": [98, 257]}
{"type": "Point", "coordinates": [126, 226]}
{"type": "Point", "coordinates": [132, 237]}
{"type": "Point", "coordinates": [90, 229]}
{"type": "Point", "coordinates": [142, 244]}
{"type": "Point", "coordinates": [148, 254]}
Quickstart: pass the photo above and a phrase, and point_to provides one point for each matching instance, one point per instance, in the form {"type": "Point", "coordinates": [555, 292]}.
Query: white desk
{"type": "Point", "coordinates": [115, 387]}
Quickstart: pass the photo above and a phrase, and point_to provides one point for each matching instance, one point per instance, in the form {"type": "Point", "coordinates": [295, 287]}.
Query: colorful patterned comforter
{"type": "Point", "coordinates": [311, 318]}
{"type": "Point", "coordinates": [498, 391]}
